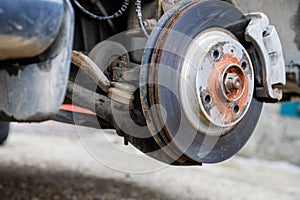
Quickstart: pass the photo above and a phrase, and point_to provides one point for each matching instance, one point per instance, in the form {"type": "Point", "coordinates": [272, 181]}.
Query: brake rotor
{"type": "Point", "coordinates": [198, 72]}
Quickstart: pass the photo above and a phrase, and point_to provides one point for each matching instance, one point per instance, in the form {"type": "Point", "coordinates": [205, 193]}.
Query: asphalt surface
{"type": "Point", "coordinates": [57, 161]}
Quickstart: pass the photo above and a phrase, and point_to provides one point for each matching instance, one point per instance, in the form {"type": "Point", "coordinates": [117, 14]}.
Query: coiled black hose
{"type": "Point", "coordinates": [118, 13]}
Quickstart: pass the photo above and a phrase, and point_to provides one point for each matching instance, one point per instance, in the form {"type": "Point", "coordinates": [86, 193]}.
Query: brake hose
{"type": "Point", "coordinates": [118, 13]}
{"type": "Point", "coordinates": [139, 16]}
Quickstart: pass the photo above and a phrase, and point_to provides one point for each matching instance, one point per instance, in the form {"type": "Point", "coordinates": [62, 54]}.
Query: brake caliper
{"type": "Point", "coordinates": [266, 42]}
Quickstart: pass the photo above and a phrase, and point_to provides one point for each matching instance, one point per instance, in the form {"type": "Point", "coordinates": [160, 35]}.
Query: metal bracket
{"type": "Point", "coordinates": [266, 41]}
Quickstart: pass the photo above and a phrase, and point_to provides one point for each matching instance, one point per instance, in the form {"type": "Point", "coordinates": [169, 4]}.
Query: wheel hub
{"type": "Point", "coordinates": [220, 77]}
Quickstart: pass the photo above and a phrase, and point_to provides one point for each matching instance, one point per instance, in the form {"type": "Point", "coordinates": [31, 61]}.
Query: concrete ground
{"type": "Point", "coordinates": [276, 137]}
{"type": "Point", "coordinates": [55, 161]}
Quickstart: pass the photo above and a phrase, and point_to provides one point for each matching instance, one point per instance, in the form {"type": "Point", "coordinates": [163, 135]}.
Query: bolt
{"type": "Point", "coordinates": [236, 83]}
{"type": "Point", "coordinates": [122, 61]}
{"type": "Point", "coordinates": [232, 82]}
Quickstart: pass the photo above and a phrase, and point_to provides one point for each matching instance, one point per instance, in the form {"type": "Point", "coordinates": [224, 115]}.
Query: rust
{"type": "Point", "coordinates": [154, 88]}
{"type": "Point", "coordinates": [237, 92]}
{"type": "Point", "coordinates": [214, 88]}
{"type": "Point", "coordinates": [91, 68]}
{"type": "Point", "coordinates": [120, 96]}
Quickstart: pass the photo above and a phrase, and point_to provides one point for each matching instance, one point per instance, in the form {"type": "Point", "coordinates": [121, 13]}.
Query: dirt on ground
{"type": "Point", "coordinates": [27, 182]}
{"type": "Point", "coordinates": [53, 161]}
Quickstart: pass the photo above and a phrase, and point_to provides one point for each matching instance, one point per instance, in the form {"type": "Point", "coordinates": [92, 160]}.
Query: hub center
{"type": "Point", "coordinates": [232, 82]}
